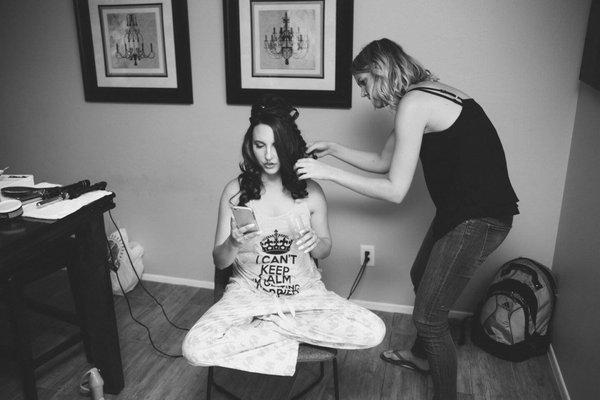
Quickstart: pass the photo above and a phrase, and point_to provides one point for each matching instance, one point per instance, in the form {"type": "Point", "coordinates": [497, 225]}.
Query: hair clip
{"type": "Point", "coordinates": [294, 114]}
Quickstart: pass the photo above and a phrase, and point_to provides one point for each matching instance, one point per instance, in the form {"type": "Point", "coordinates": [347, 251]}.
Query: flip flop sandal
{"type": "Point", "coordinates": [92, 384]}
{"type": "Point", "coordinates": [403, 362]}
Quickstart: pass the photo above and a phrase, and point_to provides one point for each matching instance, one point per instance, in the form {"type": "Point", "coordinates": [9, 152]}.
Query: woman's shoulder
{"type": "Point", "coordinates": [231, 188]}
{"type": "Point", "coordinates": [428, 98]}
{"type": "Point", "coordinates": [435, 105]}
{"type": "Point", "coordinates": [316, 196]}
{"type": "Point", "coordinates": [415, 90]}
{"type": "Point", "coordinates": [314, 189]}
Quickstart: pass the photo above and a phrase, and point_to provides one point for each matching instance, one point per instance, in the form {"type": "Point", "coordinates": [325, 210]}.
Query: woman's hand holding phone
{"type": "Point", "coordinates": [240, 235]}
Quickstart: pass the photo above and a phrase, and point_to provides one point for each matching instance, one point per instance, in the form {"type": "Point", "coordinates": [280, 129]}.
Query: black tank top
{"type": "Point", "coordinates": [465, 168]}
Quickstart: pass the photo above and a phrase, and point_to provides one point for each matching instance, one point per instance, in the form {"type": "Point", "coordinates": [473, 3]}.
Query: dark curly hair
{"type": "Point", "coordinates": [278, 114]}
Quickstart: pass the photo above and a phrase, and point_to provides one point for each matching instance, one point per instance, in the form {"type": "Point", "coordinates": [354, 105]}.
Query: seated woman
{"type": "Point", "coordinates": [275, 298]}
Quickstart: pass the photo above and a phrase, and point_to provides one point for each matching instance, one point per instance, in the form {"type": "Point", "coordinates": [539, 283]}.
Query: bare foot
{"type": "Point", "coordinates": [408, 355]}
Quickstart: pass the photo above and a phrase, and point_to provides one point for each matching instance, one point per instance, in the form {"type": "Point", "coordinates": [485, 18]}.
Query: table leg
{"type": "Point", "coordinates": [76, 289]}
{"type": "Point", "coordinates": [94, 288]}
{"type": "Point", "coordinates": [22, 339]}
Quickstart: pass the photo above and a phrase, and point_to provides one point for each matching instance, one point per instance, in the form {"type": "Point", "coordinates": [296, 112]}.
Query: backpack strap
{"type": "Point", "coordinates": [545, 270]}
{"type": "Point", "coordinates": [525, 269]}
{"type": "Point", "coordinates": [521, 293]}
{"type": "Point", "coordinates": [440, 93]}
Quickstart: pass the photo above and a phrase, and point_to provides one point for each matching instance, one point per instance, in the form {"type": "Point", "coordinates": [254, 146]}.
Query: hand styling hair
{"type": "Point", "coordinates": [275, 112]}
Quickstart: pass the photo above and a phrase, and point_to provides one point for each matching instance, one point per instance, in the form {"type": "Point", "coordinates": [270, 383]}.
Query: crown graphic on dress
{"type": "Point", "coordinates": [277, 243]}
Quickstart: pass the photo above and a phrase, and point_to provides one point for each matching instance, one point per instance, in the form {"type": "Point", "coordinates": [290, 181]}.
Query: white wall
{"type": "Point", "coordinates": [168, 163]}
{"type": "Point", "coordinates": [577, 256]}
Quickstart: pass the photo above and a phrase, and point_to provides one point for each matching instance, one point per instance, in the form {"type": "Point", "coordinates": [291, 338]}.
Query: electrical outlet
{"type": "Point", "coordinates": [371, 249]}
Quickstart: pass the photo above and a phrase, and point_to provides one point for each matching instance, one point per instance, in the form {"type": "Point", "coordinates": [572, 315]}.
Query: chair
{"type": "Point", "coordinates": [12, 294]}
{"type": "Point", "coordinates": [306, 353]}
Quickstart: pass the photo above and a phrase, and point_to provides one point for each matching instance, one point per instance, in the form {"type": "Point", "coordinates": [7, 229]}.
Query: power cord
{"type": "Point", "coordinates": [145, 327]}
{"type": "Point", "coordinates": [139, 279]}
{"type": "Point", "coordinates": [359, 276]}
{"type": "Point", "coordinates": [115, 269]}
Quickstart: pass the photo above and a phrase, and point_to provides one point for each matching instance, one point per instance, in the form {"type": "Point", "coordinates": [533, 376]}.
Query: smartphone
{"type": "Point", "coordinates": [244, 216]}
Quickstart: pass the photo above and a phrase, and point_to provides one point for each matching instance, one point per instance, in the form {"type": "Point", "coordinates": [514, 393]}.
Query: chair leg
{"type": "Point", "coordinates": [312, 384]}
{"type": "Point", "coordinates": [336, 385]}
{"type": "Point", "coordinates": [22, 339]}
{"type": "Point", "coordinates": [209, 383]}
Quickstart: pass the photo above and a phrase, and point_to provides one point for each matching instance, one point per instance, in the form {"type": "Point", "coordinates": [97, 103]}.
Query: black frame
{"type": "Point", "coordinates": [341, 97]}
{"type": "Point", "coordinates": [182, 94]}
{"type": "Point", "coordinates": [590, 62]}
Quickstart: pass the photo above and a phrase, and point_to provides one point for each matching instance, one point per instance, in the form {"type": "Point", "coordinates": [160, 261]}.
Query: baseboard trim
{"type": "Point", "coordinates": [560, 382]}
{"type": "Point", "coordinates": [371, 305]}
{"type": "Point", "coordinates": [178, 281]}
{"type": "Point", "coordinates": [402, 309]}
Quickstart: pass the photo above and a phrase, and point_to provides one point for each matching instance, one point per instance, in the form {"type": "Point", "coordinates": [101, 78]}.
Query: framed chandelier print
{"type": "Point", "coordinates": [134, 51]}
{"type": "Point", "coordinates": [299, 49]}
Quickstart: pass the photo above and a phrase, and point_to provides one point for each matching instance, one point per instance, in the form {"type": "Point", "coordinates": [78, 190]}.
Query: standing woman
{"type": "Point", "coordinates": [466, 175]}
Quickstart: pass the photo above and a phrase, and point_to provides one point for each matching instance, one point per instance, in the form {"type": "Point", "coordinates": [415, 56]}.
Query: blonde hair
{"type": "Point", "coordinates": [392, 69]}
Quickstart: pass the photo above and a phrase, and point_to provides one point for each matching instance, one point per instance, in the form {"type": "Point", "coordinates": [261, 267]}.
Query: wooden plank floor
{"type": "Point", "coordinates": [150, 376]}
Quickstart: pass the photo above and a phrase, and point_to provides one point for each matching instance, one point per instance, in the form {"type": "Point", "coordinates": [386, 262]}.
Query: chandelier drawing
{"type": "Point", "coordinates": [133, 42]}
{"type": "Point", "coordinates": [286, 44]}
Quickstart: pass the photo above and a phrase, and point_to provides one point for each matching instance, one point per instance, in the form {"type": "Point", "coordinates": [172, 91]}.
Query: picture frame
{"type": "Point", "coordinates": [299, 49]}
{"type": "Point", "coordinates": [134, 51]}
{"type": "Point", "coordinates": [590, 61]}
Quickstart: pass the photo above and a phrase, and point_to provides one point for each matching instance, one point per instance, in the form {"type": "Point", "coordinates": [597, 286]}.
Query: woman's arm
{"type": "Point", "coordinates": [411, 120]}
{"type": "Point", "coordinates": [228, 237]}
{"type": "Point", "coordinates": [365, 160]}
{"type": "Point", "coordinates": [318, 240]}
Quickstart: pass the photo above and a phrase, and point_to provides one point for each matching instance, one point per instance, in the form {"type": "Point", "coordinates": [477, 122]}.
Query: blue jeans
{"type": "Point", "coordinates": [439, 274]}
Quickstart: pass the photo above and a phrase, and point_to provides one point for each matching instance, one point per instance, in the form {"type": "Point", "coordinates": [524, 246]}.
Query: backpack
{"type": "Point", "coordinates": [513, 322]}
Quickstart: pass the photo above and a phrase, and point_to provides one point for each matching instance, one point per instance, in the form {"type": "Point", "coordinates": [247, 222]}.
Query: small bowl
{"type": "Point", "coordinates": [10, 209]}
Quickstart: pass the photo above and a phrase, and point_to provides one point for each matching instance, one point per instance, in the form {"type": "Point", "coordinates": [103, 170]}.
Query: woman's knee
{"type": "Point", "coordinates": [362, 327]}
{"type": "Point", "coordinates": [201, 344]}
{"type": "Point", "coordinates": [195, 351]}
{"type": "Point", "coordinates": [377, 330]}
